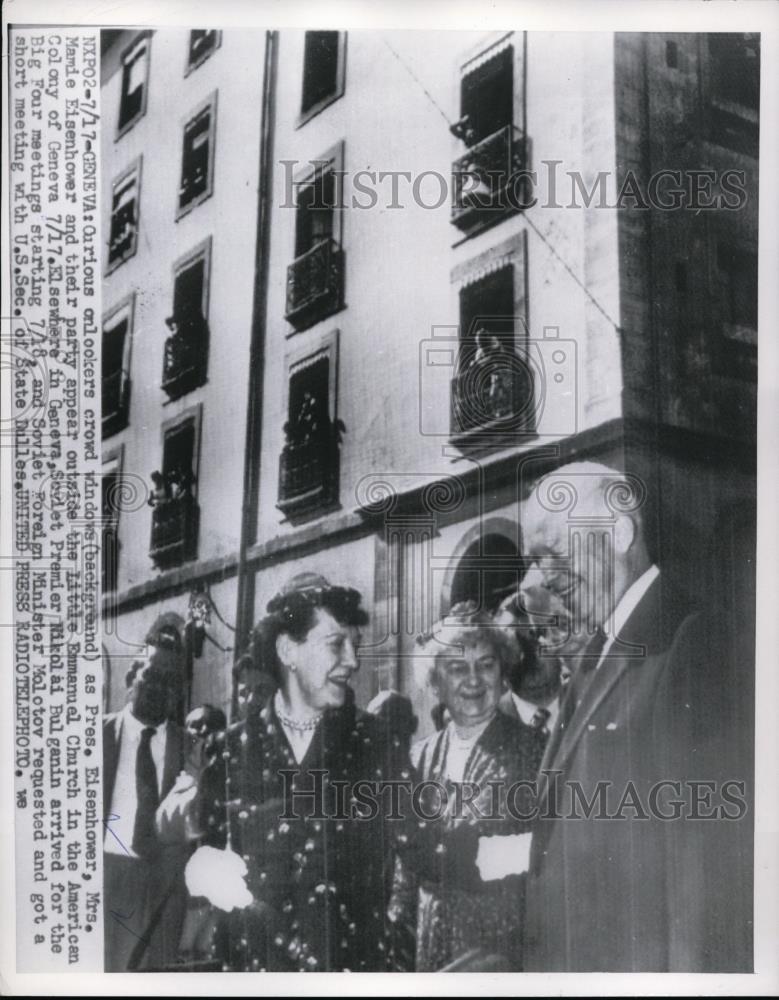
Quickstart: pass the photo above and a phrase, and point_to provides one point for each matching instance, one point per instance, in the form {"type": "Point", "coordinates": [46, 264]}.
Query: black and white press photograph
{"type": "Point", "coordinates": [426, 499]}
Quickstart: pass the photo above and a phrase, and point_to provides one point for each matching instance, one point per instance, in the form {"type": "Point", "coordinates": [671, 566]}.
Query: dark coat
{"type": "Point", "coordinates": [320, 879]}
{"type": "Point", "coordinates": [631, 893]}
{"type": "Point", "coordinates": [160, 909]}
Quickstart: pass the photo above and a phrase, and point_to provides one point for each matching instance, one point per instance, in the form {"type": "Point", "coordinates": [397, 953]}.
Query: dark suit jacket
{"type": "Point", "coordinates": [166, 909]}
{"type": "Point", "coordinates": [640, 893]}
{"type": "Point", "coordinates": [508, 707]}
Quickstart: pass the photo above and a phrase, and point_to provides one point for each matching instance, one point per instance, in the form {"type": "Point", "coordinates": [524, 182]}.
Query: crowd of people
{"type": "Point", "coordinates": [529, 831]}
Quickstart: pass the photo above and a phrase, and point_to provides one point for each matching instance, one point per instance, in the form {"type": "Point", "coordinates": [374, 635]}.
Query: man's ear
{"type": "Point", "coordinates": [625, 532]}
{"type": "Point", "coordinates": [286, 648]}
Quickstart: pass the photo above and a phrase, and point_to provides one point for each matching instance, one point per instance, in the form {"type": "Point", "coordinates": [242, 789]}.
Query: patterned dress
{"type": "Point", "coordinates": [320, 879]}
{"type": "Point", "coordinates": [457, 912]}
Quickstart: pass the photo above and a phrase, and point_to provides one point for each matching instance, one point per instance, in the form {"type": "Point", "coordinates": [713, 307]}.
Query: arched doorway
{"type": "Point", "coordinates": [488, 570]}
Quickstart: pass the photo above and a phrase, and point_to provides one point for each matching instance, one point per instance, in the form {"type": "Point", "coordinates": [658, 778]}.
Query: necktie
{"type": "Point", "coordinates": [588, 661]}
{"type": "Point", "coordinates": [147, 795]}
{"type": "Point", "coordinates": [592, 652]}
{"type": "Point", "coordinates": [540, 719]}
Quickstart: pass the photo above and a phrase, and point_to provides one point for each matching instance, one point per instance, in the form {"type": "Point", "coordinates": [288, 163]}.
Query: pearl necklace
{"type": "Point", "coordinates": [299, 725]}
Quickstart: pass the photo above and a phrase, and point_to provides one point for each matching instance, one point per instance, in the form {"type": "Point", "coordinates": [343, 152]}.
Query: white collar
{"type": "Point", "coordinates": [526, 710]}
{"type": "Point", "coordinates": [628, 603]}
{"type": "Point", "coordinates": [455, 737]}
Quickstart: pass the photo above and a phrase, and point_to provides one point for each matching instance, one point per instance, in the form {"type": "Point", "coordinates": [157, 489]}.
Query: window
{"type": "Point", "coordinates": [197, 162]}
{"type": "Point", "coordinates": [175, 513]}
{"type": "Point", "coordinates": [309, 464]}
{"type": "Point", "coordinates": [492, 386]}
{"type": "Point", "coordinates": [734, 91]}
{"type": "Point", "coordinates": [738, 282]}
{"type": "Point", "coordinates": [111, 493]}
{"type": "Point", "coordinates": [314, 220]}
{"type": "Point", "coordinates": [123, 235]}
{"type": "Point", "coordinates": [735, 68]}
{"type": "Point", "coordinates": [185, 361]}
{"type": "Point", "coordinates": [323, 71]}
{"type": "Point", "coordinates": [315, 279]}
{"type": "Point", "coordinates": [202, 43]}
{"type": "Point", "coordinates": [735, 350]}
{"type": "Point", "coordinates": [135, 70]}
{"type": "Point", "coordinates": [487, 97]}
{"type": "Point", "coordinates": [497, 149]}
{"type": "Point", "coordinates": [117, 336]}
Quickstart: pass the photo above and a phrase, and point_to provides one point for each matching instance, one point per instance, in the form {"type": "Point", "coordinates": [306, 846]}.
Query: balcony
{"type": "Point", "coordinates": [315, 283]}
{"type": "Point", "coordinates": [485, 188]}
{"type": "Point", "coordinates": [185, 360]}
{"type": "Point", "coordinates": [492, 399]}
{"type": "Point", "coordinates": [308, 473]}
{"type": "Point", "coordinates": [116, 399]}
{"type": "Point", "coordinates": [174, 528]}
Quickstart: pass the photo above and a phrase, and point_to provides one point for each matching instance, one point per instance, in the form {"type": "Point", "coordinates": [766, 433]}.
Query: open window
{"type": "Point", "coordinates": [492, 390]}
{"type": "Point", "coordinates": [309, 463]}
{"type": "Point", "coordinates": [487, 96]}
{"type": "Point", "coordinates": [315, 279]}
{"type": "Point", "coordinates": [185, 358]}
{"type": "Point", "coordinates": [202, 43]}
{"type": "Point", "coordinates": [734, 90]}
{"type": "Point", "coordinates": [491, 125]}
{"type": "Point", "coordinates": [123, 232]}
{"type": "Point", "coordinates": [324, 56]}
{"type": "Point", "coordinates": [111, 492]}
{"type": "Point", "coordinates": [175, 513]}
{"type": "Point", "coordinates": [737, 307]}
{"type": "Point", "coordinates": [197, 158]}
{"type": "Point", "coordinates": [135, 72]}
{"type": "Point", "coordinates": [116, 341]}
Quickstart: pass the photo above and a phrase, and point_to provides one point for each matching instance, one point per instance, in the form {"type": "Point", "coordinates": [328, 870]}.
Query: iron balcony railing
{"type": "Point", "coordinates": [493, 396]}
{"type": "Point", "coordinates": [488, 180]}
{"type": "Point", "coordinates": [185, 360]}
{"type": "Point", "coordinates": [174, 527]}
{"type": "Point", "coordinates": [308, 472]}
{"type": "Point", "coordinates": [315, 282]}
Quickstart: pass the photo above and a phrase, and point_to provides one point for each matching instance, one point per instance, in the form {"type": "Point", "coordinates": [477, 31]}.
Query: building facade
{"type": "Point", "coordinates": [180, 211]}
{"type": "Point", "coordinates": [373, 285]}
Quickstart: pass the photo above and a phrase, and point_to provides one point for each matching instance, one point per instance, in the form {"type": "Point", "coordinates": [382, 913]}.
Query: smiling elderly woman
{"type": "Point", "coordinates": [464, 855]}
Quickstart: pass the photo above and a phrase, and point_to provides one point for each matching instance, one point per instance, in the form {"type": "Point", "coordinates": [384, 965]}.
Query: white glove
{"type": "Point", "coordinates": [220, 876]}
{"type": "Point", "coordinates": [505, 855]}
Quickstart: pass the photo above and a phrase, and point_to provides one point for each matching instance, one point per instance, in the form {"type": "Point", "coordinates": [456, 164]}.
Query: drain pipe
{"type": "Point", "coordinates": [244, 617]}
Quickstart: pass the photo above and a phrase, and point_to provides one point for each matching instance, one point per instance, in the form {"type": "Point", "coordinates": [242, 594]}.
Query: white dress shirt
{"type": "Point", "coordinates": [121, 824]}
{"type": "Point", "coordinates": [527, 709]}
{"type": "Point", "coordinates": [625, 608]}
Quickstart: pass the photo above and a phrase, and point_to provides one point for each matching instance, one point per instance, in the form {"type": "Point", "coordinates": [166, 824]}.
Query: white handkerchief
{"type": "Point", "coordinates": [498, 857]}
